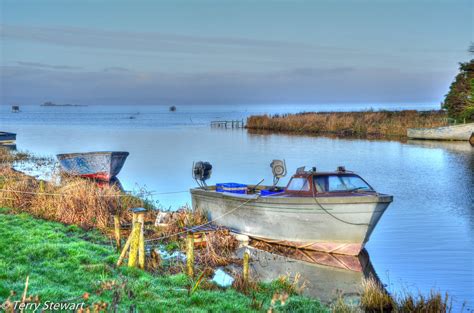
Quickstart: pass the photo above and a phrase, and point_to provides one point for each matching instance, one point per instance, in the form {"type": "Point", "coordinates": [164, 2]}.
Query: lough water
{"type": "Point", "coordinates": [424, 241]}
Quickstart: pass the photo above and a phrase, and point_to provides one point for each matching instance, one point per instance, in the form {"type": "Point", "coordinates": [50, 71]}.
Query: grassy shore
{"type": "Point", "coordinates": [68, 264]}
{"type": "Point", "coordinates": [368, 123]}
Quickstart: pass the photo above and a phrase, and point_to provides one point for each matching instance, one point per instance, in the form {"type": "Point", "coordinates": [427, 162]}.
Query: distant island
{"type": "Point", "coordinates": [51, 104]}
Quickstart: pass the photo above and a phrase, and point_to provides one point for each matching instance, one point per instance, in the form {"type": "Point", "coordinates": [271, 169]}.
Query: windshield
{"type": "Point", "coordinates": [298, 184]}
{"type": "Point", "coordinates": [334, 183]}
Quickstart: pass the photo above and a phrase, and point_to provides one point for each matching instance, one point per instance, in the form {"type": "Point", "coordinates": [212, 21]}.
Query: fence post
{"type": "Point", "coordinates": [246, 266]}
{"type": "Point", "coordinates": [135, 244]}
{"type": "Point", "coordinates": [118, 240]}
{"type": "Point", "coordinates": [190, 254]}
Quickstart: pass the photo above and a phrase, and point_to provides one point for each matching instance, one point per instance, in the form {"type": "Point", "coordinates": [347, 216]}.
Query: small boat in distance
{"type": "Point", "coordinates": [102, 166]}
{"type": "Point", "coordinates": [7, 138]}
{"type": "Point", "coordinates": [455, 132]}
{"type": "Point", "coordinates": [332, 212]}
{"type": "Point", "coordinates": [172, 108]}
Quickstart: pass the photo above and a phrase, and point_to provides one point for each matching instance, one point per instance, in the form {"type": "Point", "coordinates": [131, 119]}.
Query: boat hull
{"type": "Point", "coordinates": [102, 166]}
{"type": "Point", "coordinates": [7, 138]}
{"type": "Point", "coordinates": [332, 224]}
{"type": "Point", "coordinates": [456, 132]}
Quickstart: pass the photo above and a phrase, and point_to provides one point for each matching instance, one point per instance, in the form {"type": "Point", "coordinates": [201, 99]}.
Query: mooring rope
{"type": "Point", "coordinates": [201, 225]}
{"type": "Point", "coordinates": [335, 217]}
{"type": "Point", "coordinates": [207, 223]}
{"type": "Point", "coordinates": [105, 196]}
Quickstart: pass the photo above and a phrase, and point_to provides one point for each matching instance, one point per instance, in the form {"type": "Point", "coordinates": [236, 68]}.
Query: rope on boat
{"type": "Point", "coordinates": [207, 223]}
{"type": "Point", "coordinates": [335, 217]}
{"type": "Point", "coordinates": [198, 226]}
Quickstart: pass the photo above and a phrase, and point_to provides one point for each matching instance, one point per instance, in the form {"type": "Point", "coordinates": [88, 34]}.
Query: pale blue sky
{"type": "Point", "coordinates": [231, 51]}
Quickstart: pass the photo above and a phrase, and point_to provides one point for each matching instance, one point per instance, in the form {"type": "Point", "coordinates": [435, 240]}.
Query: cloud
{"type": "Point", "coordinates": [116, 69]}
{"type": "Point", "coordinates": [178, 45]}
{"type": "Point", "coordinates": [301, 85]}
{"type": "Point", "coordinates": [48, 66]}
{"type": "Point", "coordinates": [127, 40]}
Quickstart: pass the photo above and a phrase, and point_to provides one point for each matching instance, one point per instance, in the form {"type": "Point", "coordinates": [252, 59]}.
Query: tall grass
{"type": "Point", "coordinates": [73, 201]}
{"type": "Point", "coordinates": [380, 123]}
{"type": "Point", "coordinates": [375, 298]}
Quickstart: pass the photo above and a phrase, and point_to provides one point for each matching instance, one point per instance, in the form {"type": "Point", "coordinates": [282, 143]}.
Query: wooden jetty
{"type": "Point", "coordinates": [228, 124]}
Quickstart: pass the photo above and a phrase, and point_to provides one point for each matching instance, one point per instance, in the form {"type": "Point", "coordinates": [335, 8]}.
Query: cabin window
{"type": "Point", "coordinates": [298, 184]}
{"type": "Point", "coordinates": [334, 183]}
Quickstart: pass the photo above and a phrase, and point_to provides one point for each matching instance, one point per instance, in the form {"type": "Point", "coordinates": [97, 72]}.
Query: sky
{"type": "Point", "coordinates": [231, 52]}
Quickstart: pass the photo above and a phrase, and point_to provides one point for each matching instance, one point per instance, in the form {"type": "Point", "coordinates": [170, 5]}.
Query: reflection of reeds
{"type": "Point", "coordinates": [385, 123]}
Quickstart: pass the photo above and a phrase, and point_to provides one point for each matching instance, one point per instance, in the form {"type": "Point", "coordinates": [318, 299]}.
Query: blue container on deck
{"type": "Point", "coordinates": [266, 192]}
{"type": "Point", "coordinates": [231, 187]}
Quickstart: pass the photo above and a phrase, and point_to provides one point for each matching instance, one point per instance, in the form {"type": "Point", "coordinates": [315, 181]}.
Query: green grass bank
{"type": "Point", "coordinates": [67, 264]}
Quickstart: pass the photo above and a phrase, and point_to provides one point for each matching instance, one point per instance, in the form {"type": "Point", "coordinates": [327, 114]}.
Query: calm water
{"type": "Point", "coordinates": [425, 239]}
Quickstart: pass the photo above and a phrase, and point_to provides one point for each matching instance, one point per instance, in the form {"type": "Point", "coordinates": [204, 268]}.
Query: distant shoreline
{"type": "Point", "coordinates": [349, 124]}
{"type": "Point", "coordinates": [63, 105]}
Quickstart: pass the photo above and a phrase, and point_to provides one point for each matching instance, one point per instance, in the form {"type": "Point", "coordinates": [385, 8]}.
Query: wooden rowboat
{"type": "Point", "coordinates": [7, 138]}
{"type": "Point", "coordinates": [456, 132]}
{"type": "Point", "coordinates": [102, 166]}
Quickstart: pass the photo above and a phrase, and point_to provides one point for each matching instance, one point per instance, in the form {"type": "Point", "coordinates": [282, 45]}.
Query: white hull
{"type": "Point", "coordinates": [456, 132]}
{"type": "Point", "coordinates": [332, 224]}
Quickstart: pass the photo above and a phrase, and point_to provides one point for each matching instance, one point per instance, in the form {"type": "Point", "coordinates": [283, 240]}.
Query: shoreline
{"type": "Point", "coordinates": [31, 202]}
{"type": "Point", "coordinates": [358, 125]}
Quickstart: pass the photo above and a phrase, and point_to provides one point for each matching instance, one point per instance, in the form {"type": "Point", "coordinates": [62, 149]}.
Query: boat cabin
{"type": "Point", "coordinates": [312, 183]}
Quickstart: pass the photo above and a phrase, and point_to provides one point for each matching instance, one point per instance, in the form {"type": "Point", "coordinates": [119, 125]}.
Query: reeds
{"type": "Point", "coordinates": [367, 123]}
{"type": "Point", "coordinates": [375, 298]}
{"type": "Point", "coordinates": [219, 249]}
{"type": "Point", "coordinates": [73, 201]}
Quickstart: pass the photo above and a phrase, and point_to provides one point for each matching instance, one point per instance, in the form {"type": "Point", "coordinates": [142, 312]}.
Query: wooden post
{"type": "Point", "coordinates": [190, 254]}
{"type": "Point", "coordinates": [135, 245]}
{"type": "Point", "coordinates": [127, 244]}
{"type": "Point", "coordinates": [118, 240]}
{"type": "Point", "coordinates": [471, 139]}
{"type": "Point", "coordinates": [124, 250]}
{"type": "Point", "coordinates": [133, 254]}
{"type": "Point", "coordinates": [141, 242]}
{"type": "Point", "coordinates": [41, 186]}
{"type": "Point", "coordinates": [246, 266]}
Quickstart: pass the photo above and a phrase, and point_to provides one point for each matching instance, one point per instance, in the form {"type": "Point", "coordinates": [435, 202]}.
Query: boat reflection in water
{"type": "Point", "coordinates": [327, 276]}
{"type": "Point", "coordinates": [455, 146]}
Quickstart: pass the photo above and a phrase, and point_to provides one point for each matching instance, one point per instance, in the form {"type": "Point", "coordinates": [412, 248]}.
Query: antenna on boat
{"type": "Point", "coordinates": [202, 172]}
{"type": "Point", "coordinates": [278, 170]}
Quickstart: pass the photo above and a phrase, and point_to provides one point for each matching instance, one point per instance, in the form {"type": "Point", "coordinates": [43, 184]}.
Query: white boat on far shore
{"type": "Point", "coordinates": [462, 132]}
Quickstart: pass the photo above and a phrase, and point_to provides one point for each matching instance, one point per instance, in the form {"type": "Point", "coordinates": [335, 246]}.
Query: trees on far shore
{"type": "Point", "coordinates": [459, 101]}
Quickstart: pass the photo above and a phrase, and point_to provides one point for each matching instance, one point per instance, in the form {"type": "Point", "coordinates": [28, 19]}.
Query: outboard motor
{"type": "Point", "coordinates": [278, 170]}
{"type": "Point", "coordinates": [202, 172]}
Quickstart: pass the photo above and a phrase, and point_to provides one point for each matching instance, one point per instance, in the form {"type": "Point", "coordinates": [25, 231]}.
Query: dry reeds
{"type": "Point", "coordinates": [376, 299]}
{"type": "Point", "coordinates": [74, 201]}
{"type": "Point", "coordinates": [380, 123]}
{"type": "Point", "coordinates": [219, 249]}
